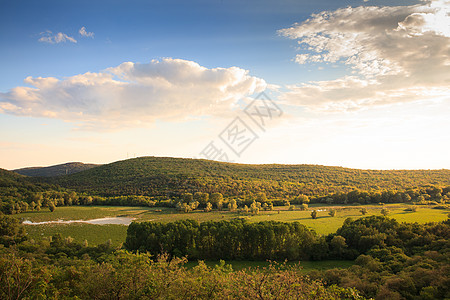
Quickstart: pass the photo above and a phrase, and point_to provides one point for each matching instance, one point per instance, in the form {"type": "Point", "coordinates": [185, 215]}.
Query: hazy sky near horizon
{"type": "Point", "coordinates": [363, 84]}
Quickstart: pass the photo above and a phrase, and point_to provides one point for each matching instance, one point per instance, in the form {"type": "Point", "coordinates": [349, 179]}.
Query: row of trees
{"type": "Point", "coordinates": [48, 199]}
{"type": "Point", "coordinates": [236, 239]}
{"type": "Point", "coordinates": [188, 202]}
{"type": "Point", "coordinates": [239, 239]}
{"type": "Point", "coordinates": [421, 195]}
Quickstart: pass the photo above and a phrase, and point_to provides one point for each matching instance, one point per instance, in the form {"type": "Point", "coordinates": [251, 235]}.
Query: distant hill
{"type": "Point", "coordinates": [10, 175]}
{"type": "Point", "coordinates": [57, 170]}
{"type": "Point", "coordinates": [162, 176]}
{"type": "Point", "coordinates": [16, 184]}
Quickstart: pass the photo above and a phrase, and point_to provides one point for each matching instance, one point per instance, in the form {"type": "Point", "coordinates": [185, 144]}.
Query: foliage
{"type": "Point", "coordinates": [424, 194]}
{"type": "Point", "coordinates": [57, 170]}
{"type": "Point", "coordinates": [371, 232]}
{"type": "Point", "coordinates": [21, 278]}
{"type": "Point", "coordinates": [163, 182]}
{"type": "Point", "coordinates": [393, 261]}
{"type": "Point", "coordinates": [122, 275]}
{"type": "Point", "coordinates": [163, 177]}
{"type": "Point", "coordinates": [208, 207]}
{"type": "Point", "coordinates": [236, 239]}
{"type": "Point", "coordinates": [19, 194]}
{"type": "Point", "coordinates": [11, 231]}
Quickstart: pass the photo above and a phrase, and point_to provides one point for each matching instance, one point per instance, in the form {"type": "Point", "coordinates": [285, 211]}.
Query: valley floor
{"type": "Point", "coordinates": [97, 234]}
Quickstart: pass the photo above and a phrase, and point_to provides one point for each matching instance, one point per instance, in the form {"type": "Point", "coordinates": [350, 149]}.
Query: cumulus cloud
{"type": "Point", "coordinates": [49, 37]}
{"type": "Point", "coordinates": [133, 94]}
{"type": "Point", "coordinates": [84, 33]}
{"type": "Point", "coordinates": [395, 54]}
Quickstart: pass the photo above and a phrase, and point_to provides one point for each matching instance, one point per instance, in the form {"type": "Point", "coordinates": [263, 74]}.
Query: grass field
{"type": "Point", "coordinates": [306, 265]}
{"type": "Point", "coordinates": [96, 234]}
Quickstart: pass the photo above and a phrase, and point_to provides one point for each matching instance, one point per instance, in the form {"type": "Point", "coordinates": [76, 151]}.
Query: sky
{"type": "Point", "coordinates": [360, 84]}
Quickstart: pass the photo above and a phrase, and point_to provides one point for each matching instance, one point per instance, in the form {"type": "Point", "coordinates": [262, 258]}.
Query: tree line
{"type": "Point", "coordinates": [240, 239]}
{"type": "Point", "coordinates": [16, 200]}
{"type": "Point", "coordinates": [229, 240]}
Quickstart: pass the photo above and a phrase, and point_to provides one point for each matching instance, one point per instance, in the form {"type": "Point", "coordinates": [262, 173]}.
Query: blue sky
{"type": "Point", "coordinates": [212, 33]}
{"type": "Point", "coordinates": [67, 112]}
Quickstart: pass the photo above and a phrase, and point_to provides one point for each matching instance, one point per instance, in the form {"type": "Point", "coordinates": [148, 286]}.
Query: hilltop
{"type": "Point", "coordinates": [56, 170]}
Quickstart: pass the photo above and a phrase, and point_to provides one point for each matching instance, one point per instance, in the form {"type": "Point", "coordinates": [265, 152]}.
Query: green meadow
{"type": "Point", "coordinates": [94, 234]}
{"type": "Point", "coordinates": [97, 234]}
{"type": "Point", "coordinates": [305, 265]}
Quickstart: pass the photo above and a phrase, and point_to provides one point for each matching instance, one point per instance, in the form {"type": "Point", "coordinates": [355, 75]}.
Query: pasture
{"type": "Point", "coordinates": [97, 234]}
{"type": "Point", "coordinates": [305, 265]}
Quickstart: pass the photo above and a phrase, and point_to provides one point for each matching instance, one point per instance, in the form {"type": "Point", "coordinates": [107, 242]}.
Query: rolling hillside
{"type": "Point", "coordinates": [15, 188]}
{"type": "Point", "coordinates": [162, 176]}
{"type": "Point", "coordinates": [13, 185]}
{"type": "Point", "coordinates": [57, 170]}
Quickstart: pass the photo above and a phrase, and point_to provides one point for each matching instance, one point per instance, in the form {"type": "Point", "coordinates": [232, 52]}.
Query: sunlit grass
{"type": "Point", "coordinates": [96, 234]}
{"type": "Point", "coordinates": [422, 215]}
{"type": "Point", "coordinates": [306, 265]}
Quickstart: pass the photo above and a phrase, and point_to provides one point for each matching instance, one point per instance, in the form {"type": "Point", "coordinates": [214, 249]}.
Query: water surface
{"type": "Point", "coordinates": [101, 221]}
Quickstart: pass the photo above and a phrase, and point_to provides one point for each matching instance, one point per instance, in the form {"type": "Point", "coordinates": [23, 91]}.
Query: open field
{"type": "Point", "coordinates": [96, 234]}
{"type": "Point", "coordinates": [306, 265]}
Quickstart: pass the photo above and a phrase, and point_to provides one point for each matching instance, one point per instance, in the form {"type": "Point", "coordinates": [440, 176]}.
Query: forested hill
{"type": "Point", "coordinates": [57, 170]}
{"type": "Point", "coordinates": [6, 175]}
{"type": "Point", "coordinates": [163, 176]}
{"type": "Point", "coordinates": [14, 185]}
{"type": "Point", "coordinates": [18, 191]}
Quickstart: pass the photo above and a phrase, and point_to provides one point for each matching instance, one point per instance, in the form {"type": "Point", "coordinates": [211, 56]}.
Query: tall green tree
{"type": "Point", "coordinates": [216, 199]}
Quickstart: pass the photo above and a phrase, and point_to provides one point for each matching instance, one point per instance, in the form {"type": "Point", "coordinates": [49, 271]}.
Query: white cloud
{"type": "Point", "coordinates": [84, 33]}
{"type": "Point", "coordinates": [395, 54]}
{"type": "Point", "coordinates": [133, 94]}
{"type": "Point", "coordinates": [49, 37]}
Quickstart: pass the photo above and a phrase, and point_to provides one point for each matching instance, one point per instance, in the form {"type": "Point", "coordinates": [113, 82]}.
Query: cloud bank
{"type": "Point", "coordinates": [133, 94]}
{"type": "Point", "coordinates": [395, 54]}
